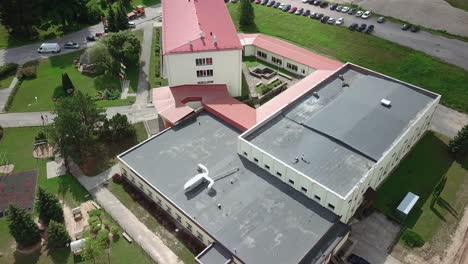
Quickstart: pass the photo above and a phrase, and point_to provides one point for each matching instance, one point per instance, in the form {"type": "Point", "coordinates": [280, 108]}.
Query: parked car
{"type": "Point", "coordinates": [353, 26]}
{"type": "Point", "coordinates": [319, 16]}
{"type": "Point", "coordinates": [258, 1]}
{"type": "Point", "coordinates": [312, 15]}
{"type": "Point", "coordinates": [49, 48]}
{"type": "Point", "coordinates": [299, 11]}
{"type": "Point", "coordinates": [381, 20]}
{"type": "Point", "coordinates": [90, 38]}
{"type": "Point", "coordinates": [317, 2]}
{"type": "Point", "coordinates": [277, 5]}
{"type": "Point", "coordinates": [366, 14]}
{"type": "Point", "coordinates": [293, 10]}
{"type": "Point", "coordinates": [333, 7]}
{"type": "Point", "coordinates": [355, 259]}
{"type": "Point", "coordinates": [282, 6]}
{"type": "Point", "coordinates": [359, 13]}
{"type": "Point", "coordinates": [305, 1]}
{"type": "Point", "coordinates": [286, 7]}
{"type": "Point", "coordinates": [71, 45]}
{"type": "Point", "coordinates": [271, 3]}
{"type": "Point", "coordinates": [338, 8]}
{"type": "Point", "coordinates": [370, 28]}
{"type": "Point", "coordinates": [131, 24]}
{"type": "Point", "coordinates": [264, 2]}
{"type": "Point", "coordinates": [339, 21]}
{"type": "Point", "coordinates": [345, 9]}
{"type": "Point", "coordinates": [324, 4]}
{"type": "Point", "coordinates": [331, 20]}
{"type": "Point", "coordinates": [406, 26]}
{"type": "Point", "coordinates": [362, 27]}
{"type": "Point", "coordinates": [306, 13]}
{"type": "Point", "coordinates": [414, 29]}
{"type": "Point", "coordinates": [352, 11]}
{"type": "Point", "coordinates": [324, 19]}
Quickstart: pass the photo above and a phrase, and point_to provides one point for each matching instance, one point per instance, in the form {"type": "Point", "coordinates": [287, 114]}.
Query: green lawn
{"type": "Point", "coordinates": [6, 81]}
{"type": "Point", "coordinates": [419, 173]}
{"type": "Point", "coordinates": [49, 72]}
{"type": "Point", "coordinates": [366, 50]}
{"type": "Point", "coordinates": [168, 238]}
{"type": "Point", "coordinates": [140, 131]}
{"type": "Point", "coordinates": [17, 144]}
{"type": "Point", "coordinates": [155, 79]}
{"type": "Point", "coordinates": [462, 4]}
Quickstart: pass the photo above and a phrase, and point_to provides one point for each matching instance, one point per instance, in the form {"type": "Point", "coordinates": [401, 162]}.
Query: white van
{"type": "Point", "coordinates": [49, 47]}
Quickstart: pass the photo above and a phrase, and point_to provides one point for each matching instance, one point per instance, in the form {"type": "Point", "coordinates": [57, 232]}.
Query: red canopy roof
{"type": "Point", "coordinates": [197, 25]}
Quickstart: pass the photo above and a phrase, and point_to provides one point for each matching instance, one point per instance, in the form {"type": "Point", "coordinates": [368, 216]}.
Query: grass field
{"type": "Point", "coordinates": [17, 144]}
{"type": "Point", "coordinates": [5, 82]}
{"type": "Point", "coordinates": [419, 173]}
{"type": "Point", "coordinates": [155, 63]}
{"type": "Point", "coordinates": [461, 4]}
{"type": "Point", "coordinates": [49, 74]}
{"type": "Point", "coordinates": [366, 50]}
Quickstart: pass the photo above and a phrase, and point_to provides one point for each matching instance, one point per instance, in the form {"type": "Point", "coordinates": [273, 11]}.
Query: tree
{"type": "Point", "coordinates": [92, 249]}
{"type": "Point", "coordinates": [67, 84]}
{"type": "Point", "coordinates": [57, 235]}
{"type": "Point", "coordinates": [19, 16]}
{"type": "Point", "coordinates": [121, 16]}
{"type": "Point", "coordinates": [247, 15]}
{"type": "Point", "coordinates": [117, 128]}
{"type": "Point", "coordinates": [112, 25]}
{"type": "Point", "coordinates": [48, 207]}
{"type": "Point", "coordinates": [76, 126]}
{"type": "Point", "coordinates": [22, 227]}
{"type": "Point", "coordinates": [124, 47]}
{"type": "Point", "coordinates": [459, 144]}
{"type": "Point", "coordinates": [100, 57]}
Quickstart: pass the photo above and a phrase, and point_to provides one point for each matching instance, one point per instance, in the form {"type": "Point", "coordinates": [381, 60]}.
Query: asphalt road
{"type": "Point", "coordinates": [29, 52]}
{"type": "Point", "coordinates": [450, 50]}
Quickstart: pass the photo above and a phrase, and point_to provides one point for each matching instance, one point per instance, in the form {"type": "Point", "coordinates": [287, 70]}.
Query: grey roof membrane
{"type": "Point", "coordinates": [261, 219]}
{"type": "Point", "coordinates": [343, 131]}
{"type": "Point", "coordinates": [214, 255]}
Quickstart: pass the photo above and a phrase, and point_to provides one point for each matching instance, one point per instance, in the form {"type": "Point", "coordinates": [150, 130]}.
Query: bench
{"type": "Point", "coordinates": [127, 237]}
{"type": "Point", "coordinates": [95, 205]}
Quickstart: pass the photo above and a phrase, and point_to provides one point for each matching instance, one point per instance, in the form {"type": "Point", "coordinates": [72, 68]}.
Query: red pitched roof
{"type": "Point", "coordinates": [186, 21]}
{"type": "Point", "coordinates": [170, 104]}
{"type": "Point", "coordinates": [290, 51]}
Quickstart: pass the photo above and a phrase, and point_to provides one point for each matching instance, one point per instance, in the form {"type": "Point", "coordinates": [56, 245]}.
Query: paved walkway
{"type": "Point", "coordinates": [143, 79]}
{"type": "Point", "coordinates": [152, 244]}
{"type": "Point", "coordinates": [447, 121]}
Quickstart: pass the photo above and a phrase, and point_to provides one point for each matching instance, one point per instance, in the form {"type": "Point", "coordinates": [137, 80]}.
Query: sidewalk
{"type": "Point", "coordinates": [152, 244]}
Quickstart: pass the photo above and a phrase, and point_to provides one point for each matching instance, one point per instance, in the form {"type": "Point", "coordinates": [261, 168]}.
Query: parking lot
{"type": "Point", "coordinates": [450, 50]}
{"type": "Point", "coordinates": [373, 236]}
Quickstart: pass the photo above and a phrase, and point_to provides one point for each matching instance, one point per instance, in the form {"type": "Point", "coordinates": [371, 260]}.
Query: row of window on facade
{"type": "Point", "coordinates": [278, 61]}
{"type": "Point", "coordinates": [204, 73]}
{"type": "Point", "coordinates": [204, 61]}
{"type": "Point", "coordinates": [168, 209]}
{"type": "Point", "coordinates": [303, 189]}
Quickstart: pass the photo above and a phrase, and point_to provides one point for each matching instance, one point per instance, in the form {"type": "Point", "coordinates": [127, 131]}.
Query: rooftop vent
{"type": "Point", "coordinates": [315, 94]}
{"type": "Point", "coordinates": [215, 41]}
{"type": "Point", "coordinates": [386, 103]}
{"type": "Point", "coordinates": [341, 77]}
{"type": "Point", "coordinates": [202, 34]}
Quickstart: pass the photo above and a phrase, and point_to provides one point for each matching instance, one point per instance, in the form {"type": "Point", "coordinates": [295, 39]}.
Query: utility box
{"type": "Point", "coordinates": [405, 207]}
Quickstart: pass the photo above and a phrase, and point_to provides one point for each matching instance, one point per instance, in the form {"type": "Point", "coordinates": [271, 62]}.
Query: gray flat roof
{"type": "Point", "coordinates": [214, 254]}
{"type": "Point", "coordinates": [261, 219]}
{"type": "Point", "coordinates": [342, 131]}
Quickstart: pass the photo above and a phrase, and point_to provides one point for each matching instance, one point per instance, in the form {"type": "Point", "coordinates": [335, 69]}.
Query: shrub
{"type": "Point", "coordinates": [117, 178]}
{"type": "Point", "coordinates": [94, 213]}
{"type": "Point", "coordinates": [96, 226]}
{"type": "Point", "coordinates": [27, 72]}
{"type": "Point", "coordinates": [103, 237]}
{"type": "Point", "coordinates": [93, 219]}
{"type": "Point", "coordinates": [114, 230]}
{"type": "Point", "coordinates": [40, 136]}
{"type": "Point", "coordinates": [106, 223]}
{"type": "Point", "coordinates": [8, 69]}
{"type": "Point", "coordinates": [412, 239]}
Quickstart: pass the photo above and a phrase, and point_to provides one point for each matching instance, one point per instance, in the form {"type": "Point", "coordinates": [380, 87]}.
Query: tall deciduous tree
{"type": "Point", "coordinates": [92, 249]}
{"type": "Point", "coordinates": [57, 235]}
{"type": "Point", "coordinates": [76, 126]}
{"type": "Point", "coordinates": [247, 15]}
{"type": "Point", "coordinates": [459, 144]}
{"type": "Point", "coordinates": [117, 129]}
{"type": "Point", "coordinates": [48, 207]}
{"type": "Point", "coordinates": [112, 25]}
{"type": "Point", "coordinates": [22, 227]}
{"type": "Point", "coordinates": [121, 16]}
{"type": "Point", "coordinates": [19, 16]}
{"type": "Point", "coordinates": [124, 46]}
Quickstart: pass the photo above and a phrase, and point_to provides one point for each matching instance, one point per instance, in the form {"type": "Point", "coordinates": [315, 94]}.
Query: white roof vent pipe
{"type": "Point", "coordinates": [198, 179]}
{"type": "Point", "coordinates": [386, 103]}
{"type": "Point", "coordinates": [215, 41]}
{"type": "Point", "coordinates": [202, 34]}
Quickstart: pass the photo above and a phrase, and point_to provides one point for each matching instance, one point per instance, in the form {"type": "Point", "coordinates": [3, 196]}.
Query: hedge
{"type": "Point", "coordinates": [8, 69]}
{"type": "Point", "coordinates": [412, 239]}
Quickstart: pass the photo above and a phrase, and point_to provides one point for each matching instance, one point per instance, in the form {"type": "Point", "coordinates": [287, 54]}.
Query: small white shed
{"type": "Point", "coordinates": [77, 246]}
{"type": "Point", "coordinates": [406, 205]}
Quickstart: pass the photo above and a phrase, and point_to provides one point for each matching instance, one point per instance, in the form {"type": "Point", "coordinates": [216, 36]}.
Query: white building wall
{"type": "Point", "coordinates": [181, 69]}
{"type": "Point", "coordinates": [302, 70]}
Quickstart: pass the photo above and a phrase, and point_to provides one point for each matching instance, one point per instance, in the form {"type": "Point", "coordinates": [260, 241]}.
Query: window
{"type": "Point", "coordinates": [245, 154]}
{"type": "Point", "coordinates": [303, 71]}
{"type": "Point", "coordinates": [204, 73]}
{"type": "Point", "coordinates": [189, 227]}
{"type": "Point", "coordinates": [158, 200]}
{"type": "Point", "coordinates": [262, 54]}
{"type": "Point", "coordinates": [279, 174]}
{"type": "Point", "coordinates": [204, 61]}
{"type": "Point", "coordinates": [331, 206]}
{"type": "Point", "coordinates": [150, 194]}
{"type": "Point", "coordinates": [291, 66]}
{"type": "Point", "coordinates": [141, 185]}
{"type": "Point", "coordinates": [303, 189]}
{"type": "Point", "coordinates": [267, 167]}
{"type": "Point", "coordinates": [350, 201]}
{"type": "Point", "coordinates": [124, 173]}
{"type": "Point", "coordinates": [204, 82]}
{"type": "Point", "coordinates": [276, 61]}
{"type": "Point", "coordinates": [291, 182]}
{"type": "Point", "coordinates": [168, 209]}
{"type": "Point", "coordinates": [132, 179]}
{"type": "Point", "coordinates": [178, 218]}
{"type": "Point", "coordinates": [199, 236]}
{"type": "Point", "coordinates": [317, 197]}
{"type": "Point", "coordinates": [256, 160]}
